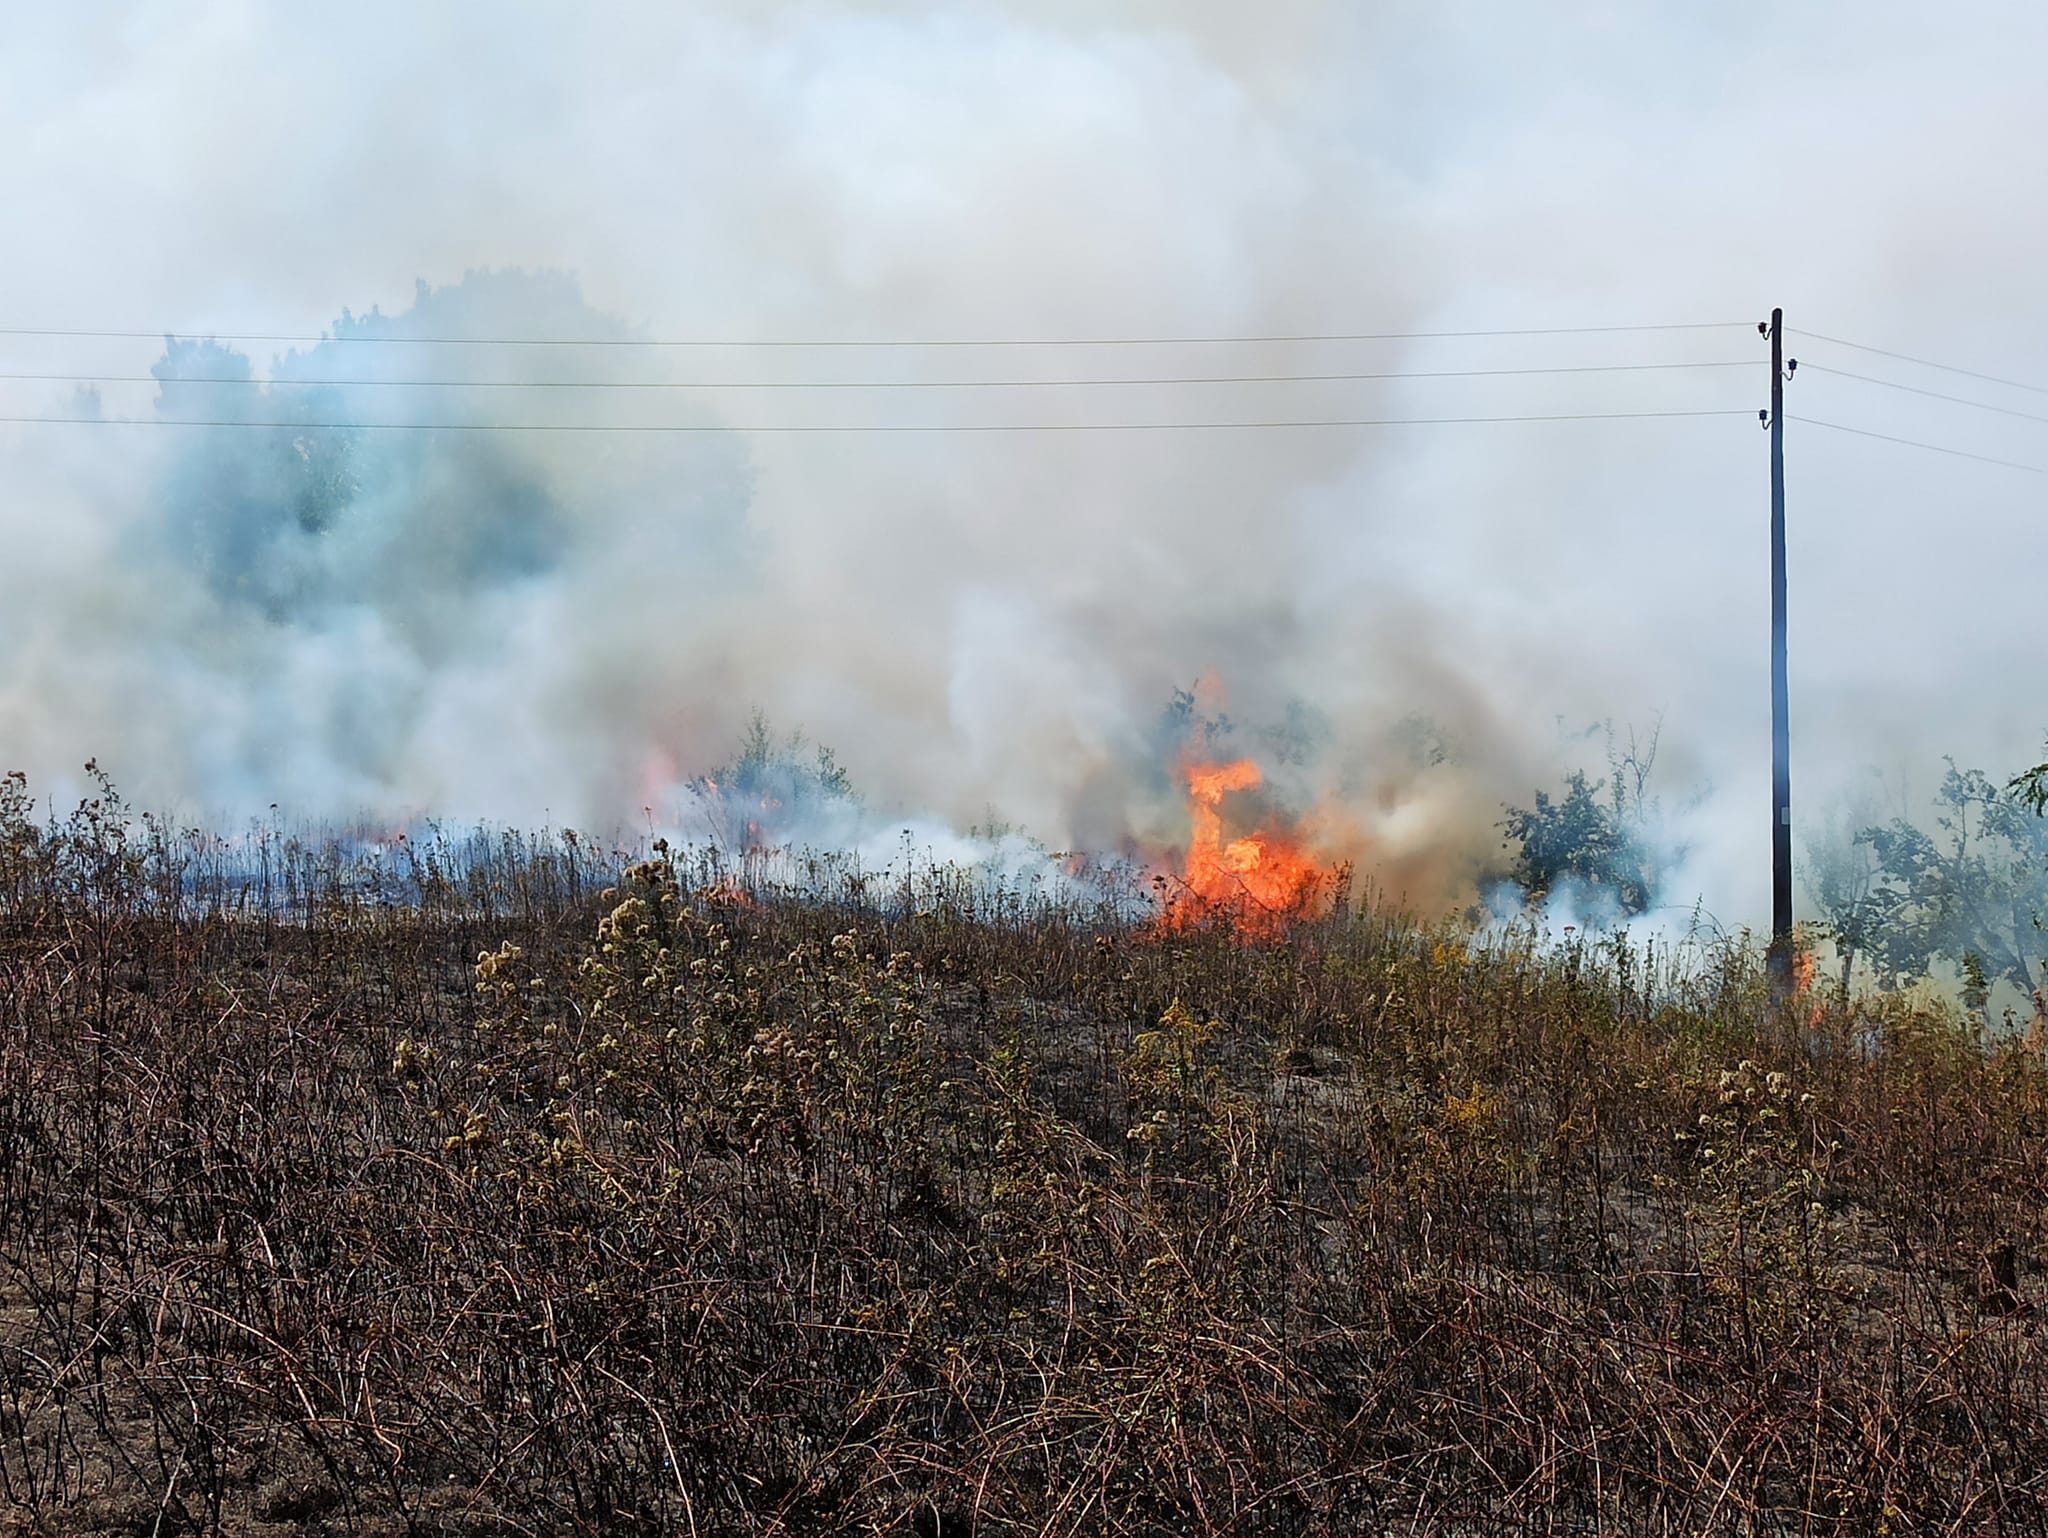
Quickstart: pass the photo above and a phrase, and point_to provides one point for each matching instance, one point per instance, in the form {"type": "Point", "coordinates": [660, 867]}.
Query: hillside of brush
{"type": "Point", "coordinates": [549, 1195]}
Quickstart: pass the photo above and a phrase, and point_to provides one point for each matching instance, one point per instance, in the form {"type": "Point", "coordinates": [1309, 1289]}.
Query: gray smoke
{"type": "Point", "coordinates": [518, 626]}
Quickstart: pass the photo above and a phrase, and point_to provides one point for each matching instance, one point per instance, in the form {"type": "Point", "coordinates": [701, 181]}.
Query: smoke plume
{"type": "Point", "coordinates": [1407, 626]}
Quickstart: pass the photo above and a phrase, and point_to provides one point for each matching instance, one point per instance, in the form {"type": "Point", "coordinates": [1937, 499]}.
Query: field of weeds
{"type": "Point", "coordinates": [554, 1196]}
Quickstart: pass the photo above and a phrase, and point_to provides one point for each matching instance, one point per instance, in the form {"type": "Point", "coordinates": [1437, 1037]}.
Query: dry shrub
{"type": "Point", "coordinates": [459, 1195]}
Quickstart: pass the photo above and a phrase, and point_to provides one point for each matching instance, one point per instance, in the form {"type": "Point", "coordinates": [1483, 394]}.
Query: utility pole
{"type": "Point", "coordinates": [1780, 955]}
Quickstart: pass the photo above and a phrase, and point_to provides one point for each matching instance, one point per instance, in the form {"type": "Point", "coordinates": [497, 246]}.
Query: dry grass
{"type": "Point", "coordinates": [932, 1210]}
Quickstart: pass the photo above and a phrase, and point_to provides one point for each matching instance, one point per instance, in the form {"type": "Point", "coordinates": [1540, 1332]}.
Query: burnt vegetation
{"type": "Point", "coordinates": [502, 1187]}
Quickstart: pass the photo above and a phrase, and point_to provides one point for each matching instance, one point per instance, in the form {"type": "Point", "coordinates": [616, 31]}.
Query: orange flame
{"type": "Point", "coordinates": [1803, 969]}
{"type": "Point", "coordinates": [1259, 879]}
{"type": "Point", "coordinates": [725, 892]}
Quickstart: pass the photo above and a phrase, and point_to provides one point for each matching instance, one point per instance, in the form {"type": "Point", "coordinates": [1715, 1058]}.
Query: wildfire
{"type": "Point", "coordinates": [725, 892]}
{"type": "Point", "coordinates": [1802, 970]}
{"type": "Point", "coordinates": [1803, 993]}
{"type": "Point", "coordinates": [736, 810]}
{"type": "Point", "coordinates": [1260, 878]}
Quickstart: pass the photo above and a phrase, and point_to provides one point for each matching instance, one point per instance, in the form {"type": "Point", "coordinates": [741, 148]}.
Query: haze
{"type": "Point", "coordinates": [982, 621]}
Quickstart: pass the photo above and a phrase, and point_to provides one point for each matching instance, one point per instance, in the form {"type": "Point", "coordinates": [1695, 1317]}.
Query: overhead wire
{"type": "Point", "coordinates": [1902, 357]}
{"type": "Point", "coordinates": [1135, 381]}
{"type": "Point", "coordinates": [1132, 381]}
{"type": "Point", "coordinates": [877, 342]}
{"type": "Point", "coordinates": [868, 427]}
{"type": "Point", "coordinates": [1916, 390]}
{"type": "Point", "coordinates": [1893, 384]}
{"type": "Point", "coordinates": [1916, 443]}
{"type": "Point", "coordinates": [878, 384]}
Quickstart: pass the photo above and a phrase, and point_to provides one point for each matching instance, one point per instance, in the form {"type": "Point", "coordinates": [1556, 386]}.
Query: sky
{"type": "Point", "coordinates": [569, 626]}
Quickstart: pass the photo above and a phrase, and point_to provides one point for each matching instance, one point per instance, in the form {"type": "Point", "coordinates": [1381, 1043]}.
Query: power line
{"type": "Point", "coordinates": [863, 427]}
{"type": "Point", "coordinates": [1889, 384]}
{"type": "Point", "coordinates": [1946, 368]}
{"type": "Point", "coordinates": [1915, 443]}
{"type": "Point", "coordinates": [878, 384]}
{"type": "Point", "coordinates": [1012, 341]}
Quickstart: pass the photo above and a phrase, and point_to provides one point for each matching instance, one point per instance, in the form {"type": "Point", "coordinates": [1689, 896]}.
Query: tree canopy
{"type": "Point", "coordinates": [1971, 891]}
{"type": "Point", "coordinates": [1583, 842]}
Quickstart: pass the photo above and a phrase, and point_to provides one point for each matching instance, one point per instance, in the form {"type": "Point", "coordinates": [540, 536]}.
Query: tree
{"type": "Point", "coordinates": [1593, 843]}
{"type": "Point", "coordinates": [1970, 892]}
{"type": "Point", "coordinates": [776, 788]}
{"type": "Point", "coordinates": [1841, 876]}
{"type": "Point", "coordinates": [2031, 787]}
{"type": "Point", "coordinates": [1581, 841]}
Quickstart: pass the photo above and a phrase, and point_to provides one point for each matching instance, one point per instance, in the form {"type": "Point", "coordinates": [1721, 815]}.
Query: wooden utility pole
{"type": "Point", "coordinates": [1781, 710]}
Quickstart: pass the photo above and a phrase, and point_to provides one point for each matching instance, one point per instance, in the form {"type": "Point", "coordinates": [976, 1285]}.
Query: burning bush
{"type": "Point", "coordinates": [1259, 879]}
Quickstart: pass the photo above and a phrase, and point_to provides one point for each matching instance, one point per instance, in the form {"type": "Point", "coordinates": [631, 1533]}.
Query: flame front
{"type": "Point", "coordinates": [1260, 878]}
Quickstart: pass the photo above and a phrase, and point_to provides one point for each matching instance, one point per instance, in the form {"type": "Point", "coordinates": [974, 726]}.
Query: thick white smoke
{"type": "Point", "coordinates": [570, 626]}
